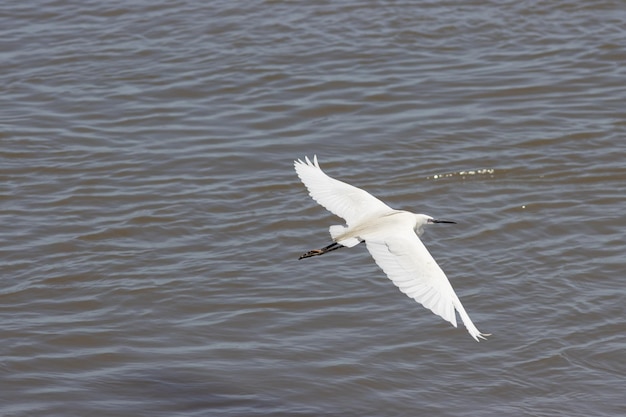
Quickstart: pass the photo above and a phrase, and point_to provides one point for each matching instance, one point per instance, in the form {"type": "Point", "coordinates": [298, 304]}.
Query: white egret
{"type": "Point", "coordinates": [391, 236]}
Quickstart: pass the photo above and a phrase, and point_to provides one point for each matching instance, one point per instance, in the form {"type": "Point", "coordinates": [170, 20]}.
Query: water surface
{"type": "Point", "coordinates": [152, 220]}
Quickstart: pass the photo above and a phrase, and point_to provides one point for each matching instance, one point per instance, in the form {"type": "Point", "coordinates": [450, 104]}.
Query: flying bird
{"type": "Point", "coordinates": [391, 237]}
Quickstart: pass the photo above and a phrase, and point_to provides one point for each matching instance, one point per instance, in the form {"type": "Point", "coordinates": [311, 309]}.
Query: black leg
{"type": "Point", "coordinates": [333, 246]}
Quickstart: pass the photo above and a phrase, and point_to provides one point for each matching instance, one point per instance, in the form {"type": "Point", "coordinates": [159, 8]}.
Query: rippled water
{"type": "Point", "coordinates": [152, 221]}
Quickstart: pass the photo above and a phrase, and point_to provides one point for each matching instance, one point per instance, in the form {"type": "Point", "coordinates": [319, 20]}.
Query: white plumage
{"type": "Point", "coordinates": [390, 236]}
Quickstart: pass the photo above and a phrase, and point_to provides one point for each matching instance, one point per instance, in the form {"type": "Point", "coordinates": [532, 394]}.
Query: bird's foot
{"type": "Point", "coordinates": [333, 246]}
{"type": "Point", "coordinates": [311, 253]}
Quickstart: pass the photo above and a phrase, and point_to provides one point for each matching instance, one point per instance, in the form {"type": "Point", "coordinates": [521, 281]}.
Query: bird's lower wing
{"type": "Point", "coordinates": [344, 200]}
{"type": "Point", "coordinates": [407, 262]}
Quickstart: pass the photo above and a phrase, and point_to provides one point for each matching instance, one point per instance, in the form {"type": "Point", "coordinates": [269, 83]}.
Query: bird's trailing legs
{"type": "Point", "coordinates": [333, 246]}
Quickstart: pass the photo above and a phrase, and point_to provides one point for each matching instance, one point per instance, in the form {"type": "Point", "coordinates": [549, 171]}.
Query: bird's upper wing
{"type": "Point", "coordinates": [406, 261]}
{"type": "Point", "coordinates": [344, 200]}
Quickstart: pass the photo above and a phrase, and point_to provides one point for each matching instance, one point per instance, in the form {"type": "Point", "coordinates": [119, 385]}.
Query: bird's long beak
{"type": "Point", "coordinates": [442, 221]}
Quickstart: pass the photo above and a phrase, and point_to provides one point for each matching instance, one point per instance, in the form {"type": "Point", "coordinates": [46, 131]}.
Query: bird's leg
{"type": "Point", "coordinates": [333, 246]}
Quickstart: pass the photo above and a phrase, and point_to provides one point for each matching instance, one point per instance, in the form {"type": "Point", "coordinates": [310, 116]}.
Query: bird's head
{"type": "Point", "coordinates": [422, 220]}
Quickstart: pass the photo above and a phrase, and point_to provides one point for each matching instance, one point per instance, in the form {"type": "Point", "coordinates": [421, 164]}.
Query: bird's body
{"type": "Point", "coordinates": [391, 236]}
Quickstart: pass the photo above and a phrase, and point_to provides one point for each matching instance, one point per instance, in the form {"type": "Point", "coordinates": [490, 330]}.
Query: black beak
{"type": "Point", "coordinates": [442, 221]}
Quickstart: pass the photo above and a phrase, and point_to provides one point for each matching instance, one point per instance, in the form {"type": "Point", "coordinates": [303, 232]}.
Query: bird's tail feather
{"type": "Point", "coordinates": [336, 232]}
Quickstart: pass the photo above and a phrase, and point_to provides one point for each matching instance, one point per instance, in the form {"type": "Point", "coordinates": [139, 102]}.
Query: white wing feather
{"type": "Point", "coordinates": [407, 262]}
{"type": "Point", "coordinates": [344, 200]}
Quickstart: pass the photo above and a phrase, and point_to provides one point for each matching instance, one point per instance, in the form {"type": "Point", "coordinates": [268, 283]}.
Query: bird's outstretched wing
{"type": "Point", "coordinates": [407, 262]}
{"type": "Point", "coordinates": [344, 200]}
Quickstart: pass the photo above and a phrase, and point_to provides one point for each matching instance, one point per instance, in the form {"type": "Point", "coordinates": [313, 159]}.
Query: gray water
{"type": "Point", "coordinates": [151, 220]}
